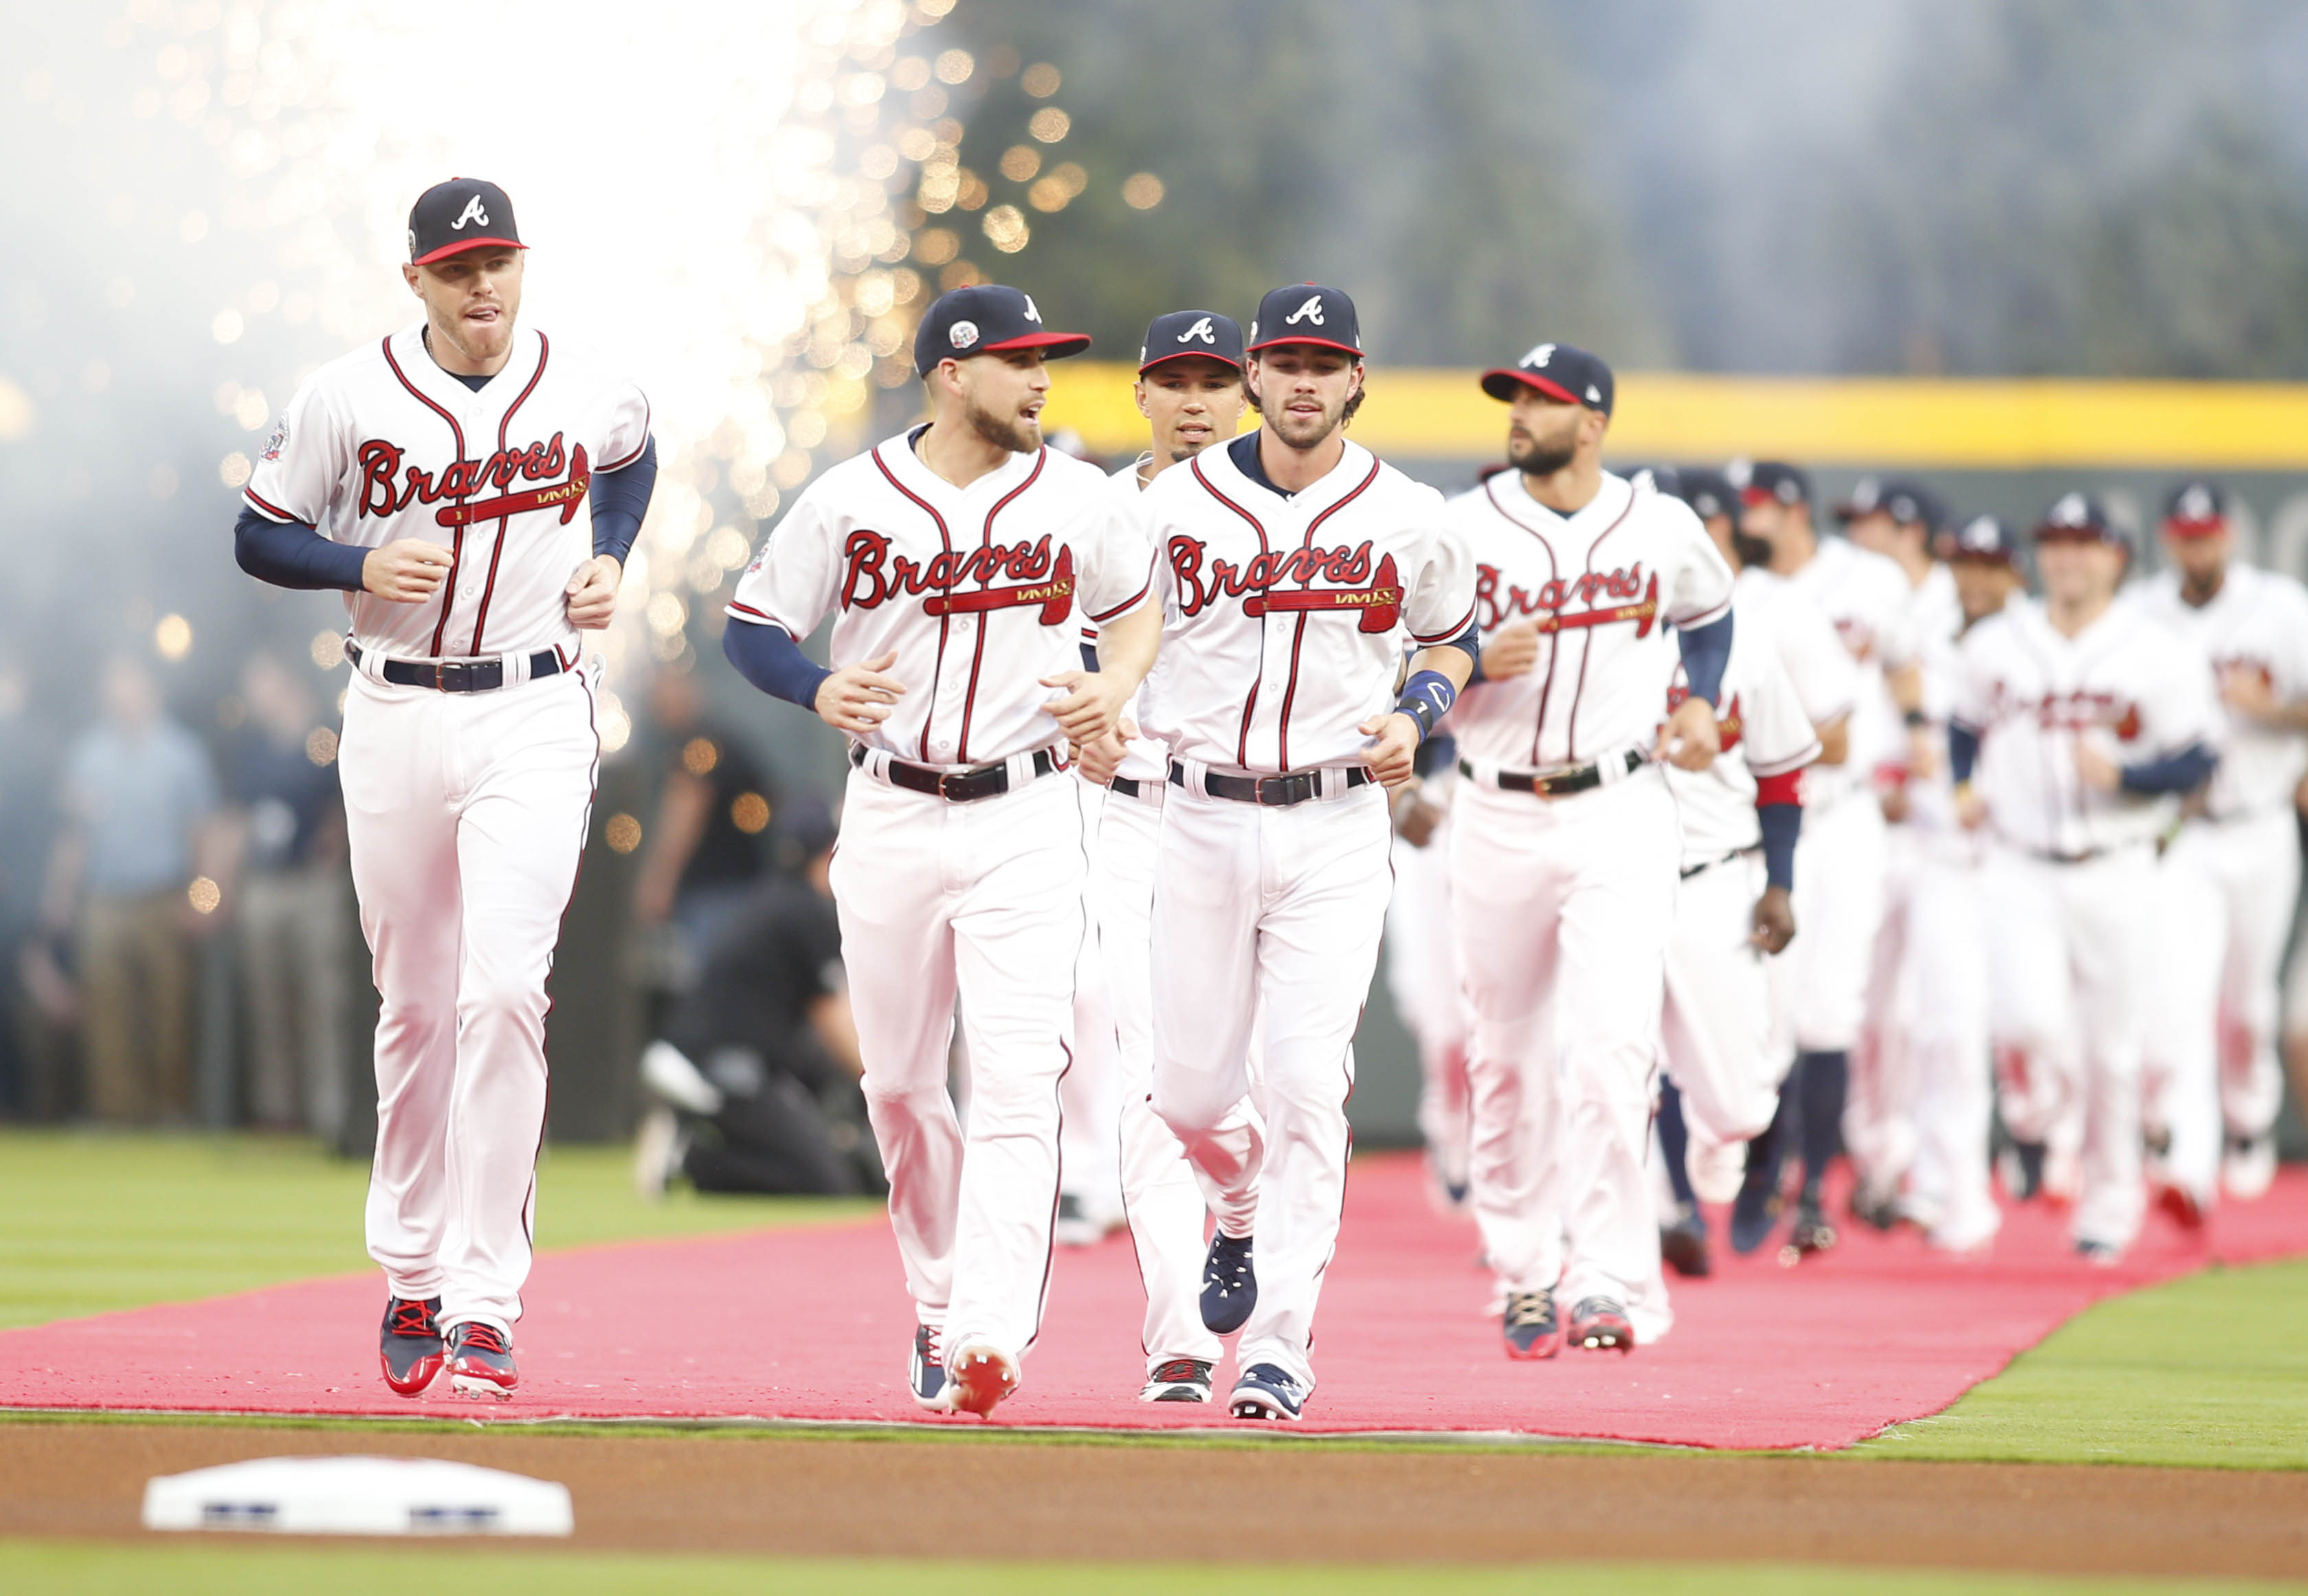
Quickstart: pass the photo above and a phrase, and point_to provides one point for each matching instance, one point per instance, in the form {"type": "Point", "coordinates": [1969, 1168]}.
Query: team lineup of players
{"type": "Point", "coordinates": [1721, 842]}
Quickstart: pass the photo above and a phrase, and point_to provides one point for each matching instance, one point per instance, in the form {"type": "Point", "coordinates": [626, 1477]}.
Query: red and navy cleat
{"type": "Point", "coordinates": [1532, 1330]}
{"type": "Point", "coordinates": [410, 1345]}
{"type": "Point", "coordinates": [480, 1362]}
{"type": "Point", "coordinates": [1600, 1326]}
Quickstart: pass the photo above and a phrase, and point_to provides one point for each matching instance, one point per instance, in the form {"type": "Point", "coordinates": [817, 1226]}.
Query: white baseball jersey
{"type": "Point", "coordinates": [1765, 733]}
{"type": "Point", "coordinates": [382, 444]}
{"type": "Point", "coordinates": [1601, 584]}
{"type": "Point", "coordinates": [975, 588]}
{"type": "Point", "coordinates": [2132, 686]}
{"type": "Point", "coordinates": [1826, 677]}
{"type": "Point", "coordinates": [1287, 616]}
{"type": "Point", "coordinates": [2257, 622]}
{"type": "Point", "coordinates": [1868, 598]}
{"type": "Point", "coordinates": [1143, 758]}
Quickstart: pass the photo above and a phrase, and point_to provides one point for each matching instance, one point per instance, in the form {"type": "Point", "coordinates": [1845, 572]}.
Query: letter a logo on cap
{"type": "Point", "coordinates": [1539, 356]}
{"type": "Point", "coordinates": [1312, 311]}
{"type": "Point", "coordinates": [1032, 314]}
{"type": "Point", "coordinates": [472, 213]}
{"type": "Point", "coordinates": [1201, 330]}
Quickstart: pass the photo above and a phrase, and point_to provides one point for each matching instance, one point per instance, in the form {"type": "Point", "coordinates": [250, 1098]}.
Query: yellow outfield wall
{"type": "Point", "coordinates": [1954, 423]}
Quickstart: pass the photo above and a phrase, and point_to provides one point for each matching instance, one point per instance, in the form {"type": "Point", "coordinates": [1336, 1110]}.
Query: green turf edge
{"type": "Point", "coordinates": [240, 1568]}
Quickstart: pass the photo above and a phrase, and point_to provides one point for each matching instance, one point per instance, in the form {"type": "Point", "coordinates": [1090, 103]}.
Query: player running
{"type": "Point", "coordinates": [2077, 721]}
{"type": "Point", "coordinates": [1564, 848]}
{"type": "Point", "coordinates": [1293, 566]}
{"type": "Point", "coordinates": [953, 559]}
{"type": "Point", "coordinates": [480, 485]}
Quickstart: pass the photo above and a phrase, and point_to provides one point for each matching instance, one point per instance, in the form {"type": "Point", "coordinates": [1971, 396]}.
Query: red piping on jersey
{"type": "Point", "coordinates": [1298, 637]}
{"type": "Point", "coordinates": [986, 623]}
{"type": "Point", "coordinates": [1554, 643]}
{"type": "Point", "coordinates": [929, 715]}
{"type": "Point", "coordinates": [274, 511]}
{"type": "Point", "coordinates": [1587, 642]}
{"type": "Point", "coordinates": [636, 454]}
{"type": "Point", "coordinates": [1250, 704]}
{"type": "Point", "coordinates": [496, 551]}
{"type": "Point", "coordinates": [456, 544]}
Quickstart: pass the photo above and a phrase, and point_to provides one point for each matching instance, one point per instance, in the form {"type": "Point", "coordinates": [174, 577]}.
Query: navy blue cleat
{"type": "Point", "coordinates": [411, 1347]}
{"type": "Point", "coordinates": [926, 1369]}
{"type": "Point", "coordinates": [1600, 1325]}
{"type": "Point", "coordinates": [1533, 1329]}
{"type": "Point", "coordinates": [1229, 1284]}
{"type": "Point", "coordinates": [1266, 1390]}
{"type": "Point", "coordinates": [480, 1362]}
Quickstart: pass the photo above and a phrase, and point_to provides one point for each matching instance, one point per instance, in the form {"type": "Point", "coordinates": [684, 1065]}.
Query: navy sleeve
{"type": "Point", "coordinates": [2184, 772]}
{"type": "Point", "coordinates": [620, 499]}
{"type": "Point", "coordinates": [1706, 650]}
{"type": "Point", "coordinates": [773, 662]}
{"type": "Point", "coordinates": [1963, 751]}
{"type": "Point", "coordinates": [1782, 824]}
{"type": "Point", "coordinates": [290, 554]}
{"type": "Point", "coordinates": [1471, 641]}
{"type": "Point", "coordinates": [1437, 753]}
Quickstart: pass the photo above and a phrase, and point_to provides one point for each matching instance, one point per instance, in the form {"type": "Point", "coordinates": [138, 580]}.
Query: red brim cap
{"type": "Point", "coordinates": [1189, 355]}
{"type": "Point", "coordinates": [1054, 346]}
{"type": "Point", "coordinates": [2210, 526]}
{"type": "Point", "coordinates": [1752, 496]}
{"type": "Point", "coordinates": [1501, 383]}
{"type": "Point", "coordinates": [1319, 343]}
{"type": "Point", "coordinates": [466, 246]}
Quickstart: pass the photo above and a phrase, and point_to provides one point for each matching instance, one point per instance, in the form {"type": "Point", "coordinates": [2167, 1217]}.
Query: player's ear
{"type": "Point", "coordinates": [408, 276]}
{"type": "Point", "coordinates": [1138, 389]}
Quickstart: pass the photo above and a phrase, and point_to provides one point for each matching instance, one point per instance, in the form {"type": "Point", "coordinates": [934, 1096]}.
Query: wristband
{"type": "Point", "coordinates": [1427, 698]}
{"type": "Point", "coordinates": [1917, 719]}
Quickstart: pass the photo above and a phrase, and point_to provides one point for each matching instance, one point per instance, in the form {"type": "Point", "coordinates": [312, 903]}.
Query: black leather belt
{"type": "Point", "coordinates": [956, 787]}
{"type": "Point", "coordinates": [457, 676]}
{"type": "Point", "coordinates": [2051, 856]}
{"type": "Point", "coordinates": [1559, 783]}
{"type": "Point", "coordinates": [1704, 865]}
{"type": "Point", "coordinates": [1272, 792]}
{"type": "Point", "coordinates": [1127, 786]}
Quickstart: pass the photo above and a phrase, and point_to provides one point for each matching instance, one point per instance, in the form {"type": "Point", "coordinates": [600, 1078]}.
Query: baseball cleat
{"type": "Point", "coordinates": [2023, 1171]}
{"type": "Point", "coordinates": [2181, 1206]}
{"type": "Point", "coordinates": [480, 1362]}
{"type": "Point", "coordinates": [1533, 1329]}
{"type": "Point", "coordinates": [410, 1345]}
{"type": "Point", "coordinates": [1755, 1210]}
{"type": "Point", "coordinates": [1178, 1380]}
{"type": "Point", "coordinates": [1874, 1206]}
{"type": "Point", "coordinates": [1683, 1245]}
{"type": "Point", "coordinates": [1266, 1390]}
{"type": "Point", "coordinates": [1599, 1325]}
{"type": "Point", "coordinates": [2249, 1167]}
{"type": "Point", "coordinates": [979, 1376]}
{"type": "Point", "coordinates": [2101, 1255]}
{"type": "Point", "coordinates": [1229, 1284]}
{"type": "Point", "coordinates": [1810, 1233]}
{"type": "Point", "coordinates": [926, 1369]}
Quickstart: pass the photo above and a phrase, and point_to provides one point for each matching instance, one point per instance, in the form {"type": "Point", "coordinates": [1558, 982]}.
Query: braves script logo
{"type": "Point", "coordinates": [387, 489]}
{"type": "Point", "coordinates": [1497, 601]}
{"type": "Point", "coordinates": [2078, 711]}
{"type": "Point", "coordinates": [875, 575]}
{"type": "Point", "coordinates": [1259, 583]}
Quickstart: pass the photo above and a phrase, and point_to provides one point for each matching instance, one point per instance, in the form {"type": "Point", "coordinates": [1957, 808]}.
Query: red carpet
{"type": "Point", "coordinates": [814, 1324]}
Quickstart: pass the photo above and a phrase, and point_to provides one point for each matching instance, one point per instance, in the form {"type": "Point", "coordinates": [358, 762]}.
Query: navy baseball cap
{"type": "Point", "coordinates": [1909, 503]}
{"type": "Point", "coordinates": [1768, 481]}
{"type": "Point", "coordinates": [1709, 494]}
{"type": "Point", "coordinates": [986, 319]}
{"type": "Point", "coordinates": [1306, 312]}
{"type": "Point", "coordinates": [1659, 478]}
{"type": "Point", "coordinates": [2078, 518]}
{"type": "Point", "coordinates": [2197, 508]}
{"type": "Point", "coordinates": [461, 214]}
{"type": "Point", "coordinates": [1560, 371]}
{"type": "Point", "coordinates": [1183, 332]}
{"type": "Point", "coordinates": [1983, 538]}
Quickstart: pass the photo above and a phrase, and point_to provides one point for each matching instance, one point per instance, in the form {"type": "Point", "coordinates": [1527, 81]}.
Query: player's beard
{"type": "Point", "coordinates": [1297, 430]}
{"type": "Point", "coordinates": [1751, 550]}
{"type": "Point", "coordinates": [1021, 435]}
{"type": "Point", "coordinates": [1532, 458]}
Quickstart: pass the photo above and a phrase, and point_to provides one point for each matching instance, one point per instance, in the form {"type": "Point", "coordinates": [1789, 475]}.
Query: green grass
{"type": "Point", "coordinates": [2207, 1371]}
{"type": "Point", "coordinates": [90, 1221]}
{"type": "Point", "coordinates": [239, 1569]}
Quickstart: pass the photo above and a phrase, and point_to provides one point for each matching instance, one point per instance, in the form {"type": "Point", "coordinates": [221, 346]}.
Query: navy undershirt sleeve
{"type": "Point", "coordinates": [1963, 750]}
{"type": "Point", "coordinates": [1706, 650]}
{"type": "Point", "coordinates": [1470, 642]}
{"type": "Point", "coordinates": [2184, 772]}
{"type": "Point", "coordinates": [1782, 824]}
{"type": "Point", "coordinates": [773, 661]}
{"type": "Point", "coordinates": [620, 499]}
{"type": "Point", "coordinates": [289, 554]}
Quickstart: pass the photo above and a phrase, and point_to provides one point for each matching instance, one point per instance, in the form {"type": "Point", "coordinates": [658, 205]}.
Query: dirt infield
{"type": "Point", "coordinates": [834, 1495]}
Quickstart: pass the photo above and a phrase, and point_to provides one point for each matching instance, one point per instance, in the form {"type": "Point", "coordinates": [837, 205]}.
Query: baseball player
{"type": "Point", "coordinates": [2077, 721]}
{"type": "Point", "coordinates": [951, 559]}
{"type": "Point", "coordinates": [1839, 875]}
{"type": "Point", "coordinates": [1564, 848]}
{"type": "Point", "coordinates": [1293, 566]}
{"type": "Point", "coordinates": [2232, 873]}
{"type": "Point", "coordinates": [1422, 969]}
{"type": "Point", "coordinates": [473, 486]}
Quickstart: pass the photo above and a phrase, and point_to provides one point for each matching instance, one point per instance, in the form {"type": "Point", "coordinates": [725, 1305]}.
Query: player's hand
{"type": "Point", "coordinates": [1689, 740]}
{"type": "Point", "coordinates": [1099, 761]}
{"type": "Point", "coordinates": [405, 571]}
{"type": "Point", "coordinates": [1091, 707]}
{"type": "Point", "coordinates": [1970, 808]}
{"type": "Point", "coordinates": [1775, 920]}
{"type": "Point", "coordinates": [593, 592]}
{"type": "Point", "coordinates": [1512, 650]}
{"type": "Point", "coordinates": [1394, 744]}
{"type": "Point", "coordinates": [1415, 819]}
{"type": "Point", "coordinates": [2095, 769]}
{"type": "Point", "coordinates": [2246, 690]}
{"type": "Point", "coordinates": [858, 698]}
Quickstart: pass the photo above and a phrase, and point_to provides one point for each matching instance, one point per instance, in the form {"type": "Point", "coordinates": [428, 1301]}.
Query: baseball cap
{"type": "Point", "coordinates": [461, 214]}
{"type": "Point", "coordinates": [2078, 518]}
{"type": "Point", "coordinates": [1183, 333]}
{"type": "Point", "coordinates": [1983, 538]}
{"type": "Point", "coordinates": [1768, 481]}
{"type": "Point", "coordinates": [1659, 478]}
{"type": "Point", "coordinates": [1709, 494]}
{"type": "Point", "coordinates": [1306, 312]}
{"type": "Point", "coordinates": [2198, 508]}
{"type": "Point", "coordinates": [1558, 370]}
{"type": "Point", "coordinates": [986, 318]}
{"type": "Point", "coordinates": [1908, 503]}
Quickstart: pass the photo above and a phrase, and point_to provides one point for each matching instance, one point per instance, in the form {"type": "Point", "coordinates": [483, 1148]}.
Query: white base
{"type": "Point", "coordinates": [357, 1495]}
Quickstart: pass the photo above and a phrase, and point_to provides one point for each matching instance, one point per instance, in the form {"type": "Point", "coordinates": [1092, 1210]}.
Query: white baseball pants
{"type": "Point", "coordinates": [1820, 982]}
{"type": "Point", "coordinates": [1267, 919]}
{"type": "Point", "coordinates": [2070, 948]}
{"type": "Point", "coordinates": [1879, 1112]}
{"type": "Point", "coordinates": [983, 901]}
{"type": "Point", "coordinates": [1422, 976]}
{"type": "Point", "coordinates": [1950, 1059]}
{"type": "Point", "coordinates": [1089, 1094]}
{"type": "Point", "coordinates": [465, 814]}
{"type": "Point", "coordinates": [1563, 908]}
{"type": "Point", "coordinates": [1715, 1029]}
